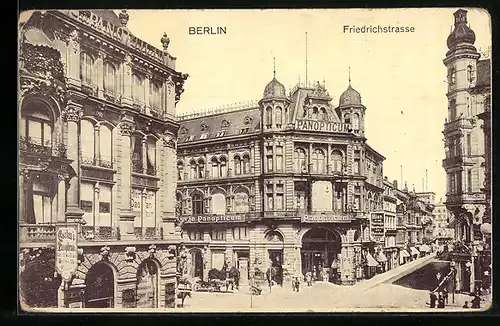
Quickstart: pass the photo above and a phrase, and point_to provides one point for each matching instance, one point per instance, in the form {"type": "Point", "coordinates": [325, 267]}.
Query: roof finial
{"type": "Point", "coordinates": [349, 76]}
{"type": "Point", "coordinates": [274, 67]}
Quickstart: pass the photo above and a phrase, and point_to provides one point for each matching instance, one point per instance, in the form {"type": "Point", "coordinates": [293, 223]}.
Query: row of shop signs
{"type": "Point", "coordinates": [239, 218]}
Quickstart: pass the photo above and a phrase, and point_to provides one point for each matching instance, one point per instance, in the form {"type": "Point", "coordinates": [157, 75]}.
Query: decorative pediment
{"type": "Point", "coordinates": [225, 123]}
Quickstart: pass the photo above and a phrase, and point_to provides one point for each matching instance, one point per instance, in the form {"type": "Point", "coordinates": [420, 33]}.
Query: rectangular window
{"type": "Point", "coordinates": [150, 209]}
{"type": "Point", "coordinates": [355, 167]}
{"type": "Point", "coordinates": [279, 158]}
{"type": "Point", "coordinates": [219, 234]}
{"type": "Point", "coordinates": [279, 197]}
{"type": "Point", "coordinates": [469, 181]}
{"type": "Point", "coordinates": [459, 181]}
{"type": "Point", "coordinates": [105, 205]}
{"type": "Point", "coordinates": [137, 206]}
{"type": "Point", "coordinates": [469, 145]}
{"type": "Point", "coordinates": [240, 233]}
{"type": "Point", "coordinates": [195, 235]}
{"type": "Point", "coordinates": [87, 202]}
{"type": "Point", "coordinates": [270, 199]}
{"type": "Point", "coordinates": [269, 158]}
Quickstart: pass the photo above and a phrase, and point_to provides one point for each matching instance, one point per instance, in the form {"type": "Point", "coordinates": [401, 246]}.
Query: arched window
{"type": "Point", "coordinates": [355, 121]}
{"type": "Point", "coordinates": [180, 171]}
{"type": "Point", "coordinates": [318, 161]}
{"type": "Point", "coordinates": [201, 169]}
{"type": "Point", "coordinates": [347, 118]}
{"type": "Point", "coordinates": [246, 164]}
{"type": "Point", "coordinates": [137, 161]}
{"type": "Point", "coordinates": [222, 167]}
{"type": "Point", "coordinates": [314, 113]}
{"type": "Point", "coordinates": [198, 204]}
{"type": "Point", "coordinates": [237, 165]}
{"type": "Point", "coordinates": [279, 117]}
{"type": "Point", "coordinates": [269, 117]}
{"type": "Point", "coordinates": [151, 156]}
{"type": "Point", "coordinates": [179, 205]}
{"type": "Point", "coordinates": [215, 168]}
{"type": "Point", "coordinates": [155, 98]}
{"type": "Point", "coordinates": [99, 287]}
{"type": "Point", "coordinates": [241, 203]}
{"type": "Point", "coordinates": [470, 74]}
{"type": "Point", "coordinates": [322, 113]}
{"type": "Point", "coordinates": [336, 161]}
{"type": "Point", "coordinates": [105, 147]}
{"type": "Point", "coordinates": [36, 126]}
{"type": "Point", "coordinates": [192, 170]}
{"type": "Point", "coordinates": [219, 203]}
{"type": "Point", "coordinates": [87, 68]}
{"type": "Point", "coordinates": [137, 88]}
{"type": "Point", "coordinates": [109, 77]}
{"type": "Point", "coordinates": [147, 284]}
{"type": "Point", "coordinates": [453, 75]}
{"type": "Point", "coordinates": [87, 141]}
{"type": "Point", "coordinates": [300, 160]}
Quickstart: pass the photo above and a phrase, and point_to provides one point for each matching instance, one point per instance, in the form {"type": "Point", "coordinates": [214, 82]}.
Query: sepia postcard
{"type": "Point", "coordinates": [326, 160]}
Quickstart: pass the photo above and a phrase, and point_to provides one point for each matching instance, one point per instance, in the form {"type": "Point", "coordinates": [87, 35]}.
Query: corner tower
{"type": "Point", "coordinates": [274, 105]}
{"type": "Point", "coordinates": [351, 110]}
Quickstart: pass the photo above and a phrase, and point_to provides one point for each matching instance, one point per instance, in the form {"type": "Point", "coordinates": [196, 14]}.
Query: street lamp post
{"type": "Point", "coordinates": [453, 271]}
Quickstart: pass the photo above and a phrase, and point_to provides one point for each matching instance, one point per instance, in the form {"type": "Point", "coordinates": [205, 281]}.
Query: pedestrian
{"type": "Point", "coordinates": [445, 295]}
{"type": "Point", "coordinates": [476, 302]}
{"type": "Point", "coordinates": [440, 301]}
{"type": "Point", "coordinates": [309, 278]}
{"type": "Point", "coordinates": [466, 305]}
{"type": "Point", "coordinates": [432, 301]}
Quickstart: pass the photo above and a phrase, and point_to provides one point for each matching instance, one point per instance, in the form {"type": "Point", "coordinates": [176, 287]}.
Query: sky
{"type": "Point", "coordinates": [401, 76]}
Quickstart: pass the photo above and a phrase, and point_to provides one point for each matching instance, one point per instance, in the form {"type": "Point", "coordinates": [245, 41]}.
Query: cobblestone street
{"type": "Point", "coordinates": [321, 297]}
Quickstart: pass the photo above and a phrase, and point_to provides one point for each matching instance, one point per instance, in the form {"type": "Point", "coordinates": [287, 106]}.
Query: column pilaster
{"type": "Point", "coordinates": [127, 81]}
{"type": "Point", "coordinates": [127, 216]}
{"type": "Point", "coordinates": [73, 61]}
{"type": "Point", "coordinates": [97, 149]}
{"type": "Point", "coordinates": [100, 74]}
{"type": "Point", "coordinates": [61, 199]}
{"type": "Point", "coordinates": [147, 85]}
{"type": "Point", "coordinates": [72, 115]}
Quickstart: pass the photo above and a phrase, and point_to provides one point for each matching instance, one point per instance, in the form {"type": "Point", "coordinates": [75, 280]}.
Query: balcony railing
{"type": "Point", "coordinates": [147, 233]}
{"type": "Point", "coordinates": [112, 96]}
{"type": "Point", "coordinates": [37, 233]}
{"type": "Point", "coordinates": [155, 111]}
{"type": "Point", "coordinates": [103, 161]}
{"type": "Point", "coordinates": [138, 167]}
{"type": "Point", "coordinates": [280, 214]}
{"type": "Point", "coordinates": [97, 233]}
{"type": "Point", "coordinates": [139, 105]}
{"type": "Point", "coordinates": [34, 145]}
{"type": "Point", "coordinates": [89, 88]}
{"type": "Point", "coordinates": [458, 123]}
{"type": "Point", "coordinates": [464, 197]}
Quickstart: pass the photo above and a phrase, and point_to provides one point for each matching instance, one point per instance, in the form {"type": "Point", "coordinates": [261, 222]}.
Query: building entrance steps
{"type": "Point", "coordinates": [395, 274]}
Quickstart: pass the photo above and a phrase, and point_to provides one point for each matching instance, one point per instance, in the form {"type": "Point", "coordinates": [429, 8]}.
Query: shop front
{"type": "Point", "coordinates": [319, 254]}
{"type": "Point", "coordinates": [274, 245]}
{"type": "Point", "coordinates": [100, 287]}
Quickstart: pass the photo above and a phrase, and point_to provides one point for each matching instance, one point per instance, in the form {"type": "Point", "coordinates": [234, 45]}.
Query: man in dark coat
{"type": "Point", "coordinates": [476, 302]}
{"type": "Point", "coordinates": [440, 301]}
{"type": "Point", "coordinates": [433, 299]}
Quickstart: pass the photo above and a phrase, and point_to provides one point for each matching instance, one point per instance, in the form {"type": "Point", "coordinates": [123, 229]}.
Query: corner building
{"type": "Point", "coordinates": [466, 139]}
{"type": "Point", "coordinates": [97, 151]}
{"type": "Point", "coordinates": [289, 181]}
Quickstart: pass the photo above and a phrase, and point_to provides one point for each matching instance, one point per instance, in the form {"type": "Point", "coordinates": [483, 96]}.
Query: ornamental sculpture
{"type": "Point", "coordinates": [72, 113]}
{"type": "Point", "coordinates": [169, 140]}
{"type": "Point", "coordinates": [126, 128]}
{"type": "Point", "coordinates": [165, 41]}
{"type": "Point", "coordinates": [123, 18]}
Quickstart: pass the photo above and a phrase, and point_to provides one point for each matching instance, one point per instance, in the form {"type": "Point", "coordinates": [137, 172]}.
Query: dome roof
{"type": "Point", "coordinates": [350, 96]}
{"type": "Point", "coordinates": [274, 89]}
{"type": "Point", "coordinates": [461, 34]}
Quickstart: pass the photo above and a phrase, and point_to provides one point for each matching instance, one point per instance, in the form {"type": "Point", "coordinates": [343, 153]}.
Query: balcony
{"type": "Point", "coordinates": [89, 88]}
{"type": "Point", "coordinates": [280, 214]}
{"type": "Point", "coordinates": [100, 233]}
{"type": "Point", "coordinates": [32, 145]}
{"type": "Point", "coordinates": [37, 233]}
{"type": "Point", "coordinates": [112, 96]}
{"type": "Point", "coordinates": [230, 217]}
{"type": "Point", "coordinates": [457, 124]}
{"type": "Point", "coordinates": [459, 198]}
{"type": "Point", "coordinates": [156, 111]}
{"type": "Point", "coordinates": [148, 233]}
{"type": "Point", "coordinates": [103, 161]}
{"type": "Point", "coordinates": [139, 105]}
{"type": "Point", "coordinates": [457, 160]}
{"type": "Point", "coordinates": [328, 217]}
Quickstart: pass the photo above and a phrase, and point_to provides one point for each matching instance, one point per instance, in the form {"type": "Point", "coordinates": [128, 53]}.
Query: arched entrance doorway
{"type": "Point", "coordinates": [320, 248]}
{"type": "Point", "coordinates": [38, 284]}
{"type": "Point", "coordinates": [100, 287]}
{"type": "Point", "coordinates": [197, 264]}
{"type": "Point", "coordinates": [147, 284]}
{"type": "Point", "coordinates": [274, 245]}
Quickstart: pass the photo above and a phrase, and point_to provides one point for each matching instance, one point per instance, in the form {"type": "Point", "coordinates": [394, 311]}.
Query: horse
{"type": "Point", "coordinates": [273, 275]}
{"type": "Point", "coordinates": [234, 276]}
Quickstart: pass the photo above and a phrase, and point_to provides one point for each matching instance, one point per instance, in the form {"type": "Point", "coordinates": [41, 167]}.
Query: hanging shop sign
{"type": "Point", "coordinates": [66, 251]}
{"type": "Point", "coordinates": [325, 219]}
{"type": "Point", "coordinates": [377, 226]}
{"type": "Point", "coordinates": [322, 126]}
{"type": "Point", "coordinates": [215, 219]}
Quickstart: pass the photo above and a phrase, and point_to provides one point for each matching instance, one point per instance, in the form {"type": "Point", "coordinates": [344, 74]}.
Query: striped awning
{"type": "Point", "coordinates": [414, 251]}
{"type": "Point", "coordinates": [381, 258]}
{"type": "Point", "coordinates": [405, 253]}
{"type": "Point", "coordinates": [424, 248]}
{"type": "Point", "coordinates": [371, 261]}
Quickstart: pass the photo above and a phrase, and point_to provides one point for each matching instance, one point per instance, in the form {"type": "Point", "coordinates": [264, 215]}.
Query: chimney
{"type": "Point", "coordinates": [395, 184]}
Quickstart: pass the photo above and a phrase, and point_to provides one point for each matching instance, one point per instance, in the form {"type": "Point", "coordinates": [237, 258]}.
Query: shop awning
{"type": "Point", "coordinates": [371, 261]}
{"type": "Point", "coordinates": [414, 251]}
{"type": "Point", "coordinates": [405, 253]}
{"type": "Point", "coordinates": [381, 258]}
{"type": "Point", "coordinates": [424, 248]}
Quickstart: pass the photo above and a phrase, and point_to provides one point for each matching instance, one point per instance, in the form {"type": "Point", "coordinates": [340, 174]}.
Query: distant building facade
{"type": "Point", "coordinates": [441, 224]}
{"type": "Point", "coordinates": [288, 183]}
{"type": "Point", "coordinates": [469, 93]}
{"type": "Point", "coordinates": [97, 172]}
